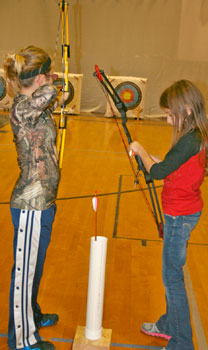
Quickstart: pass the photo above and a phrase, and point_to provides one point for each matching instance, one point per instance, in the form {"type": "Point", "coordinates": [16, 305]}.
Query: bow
{"type": "Point", "coordinates": [109, 90]}
{"type": "Point", "coordinates": [63, 6]}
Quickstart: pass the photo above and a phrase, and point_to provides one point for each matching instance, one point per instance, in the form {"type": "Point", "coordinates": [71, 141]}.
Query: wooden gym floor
{"type": "Point", "coordinates": [94, 159]}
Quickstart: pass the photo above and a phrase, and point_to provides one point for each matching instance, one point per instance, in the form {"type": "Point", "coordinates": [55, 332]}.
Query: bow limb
{"type": "Point", "coordinates": [149, 181]}
{"type": "Point", "coordinates": [110, 91]}
{"type": "Point", "coordinates": [63, 6]}
{"type": "Point", "coordinates": [122, 110]}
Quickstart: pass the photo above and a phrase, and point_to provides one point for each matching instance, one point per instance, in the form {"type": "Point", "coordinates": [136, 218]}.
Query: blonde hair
{"type": "Point", "coordinates": [18, 67]}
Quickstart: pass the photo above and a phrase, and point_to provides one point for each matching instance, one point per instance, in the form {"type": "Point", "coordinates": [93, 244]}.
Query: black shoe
{"type": "Point", "coordinates": [40, 345]}
{"type": "Point", "coordinates": [48, 320]}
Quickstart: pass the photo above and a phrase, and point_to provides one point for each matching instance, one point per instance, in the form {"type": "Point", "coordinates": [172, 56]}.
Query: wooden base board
{"type": "Point", "coordinates": [80, 342]}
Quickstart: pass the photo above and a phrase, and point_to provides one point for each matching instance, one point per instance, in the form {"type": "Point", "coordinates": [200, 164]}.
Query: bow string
{"type": "Point", "coordinates": [109, 91]}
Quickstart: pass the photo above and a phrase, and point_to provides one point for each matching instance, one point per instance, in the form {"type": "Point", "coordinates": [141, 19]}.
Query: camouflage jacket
{"type": "Point", "coordinates": [35, 138]}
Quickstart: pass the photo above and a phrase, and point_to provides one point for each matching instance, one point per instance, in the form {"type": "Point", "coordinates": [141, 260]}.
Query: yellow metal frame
{"type": "Point", "coordinates": [63, 6]}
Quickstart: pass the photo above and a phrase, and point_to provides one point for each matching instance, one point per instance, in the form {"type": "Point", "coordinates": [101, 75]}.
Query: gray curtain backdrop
{"type": "Point", "coordinates": [161, 40]}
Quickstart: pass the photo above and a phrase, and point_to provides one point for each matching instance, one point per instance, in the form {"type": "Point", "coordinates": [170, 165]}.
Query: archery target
{"type": "Point", "coordinates": [59, 84]}
{"type": "Point", "coordinates": [5, 99]}
{"type": "Point", "coordinates": [2, 88]}
{"type": "Point", "coordinates": [132, 91]}
{"type": "Point", "coordinates": [129, 93]}
{"type": "Point", "coordinates": [72, 104]}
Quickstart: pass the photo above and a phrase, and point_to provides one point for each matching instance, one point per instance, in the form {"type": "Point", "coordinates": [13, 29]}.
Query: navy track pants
{"type": "Point", "coordinates": [32, 233]}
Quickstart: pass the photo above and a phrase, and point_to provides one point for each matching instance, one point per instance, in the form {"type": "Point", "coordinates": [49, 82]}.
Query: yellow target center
{"type": "Point", "coordinates": [127, 95]}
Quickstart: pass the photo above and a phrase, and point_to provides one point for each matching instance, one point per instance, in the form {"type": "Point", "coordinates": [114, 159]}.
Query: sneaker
{"type": "Point", "coordinates": [48, 320]}
{"type": "Point", "coordinates": [40, 345]}
{"type": "Point", "coordinates": [151, 329]}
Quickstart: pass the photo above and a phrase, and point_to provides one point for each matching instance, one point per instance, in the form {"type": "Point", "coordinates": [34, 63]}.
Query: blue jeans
{"type": "Point", "coordinates": [176, 321]}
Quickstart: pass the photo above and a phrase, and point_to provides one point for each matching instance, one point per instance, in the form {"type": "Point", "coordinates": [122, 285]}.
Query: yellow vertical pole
{"type": "Point", "coordinates": [63, 5]}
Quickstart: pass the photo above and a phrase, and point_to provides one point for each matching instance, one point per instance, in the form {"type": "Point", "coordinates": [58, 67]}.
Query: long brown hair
{"type": "Point", "coordinates": [186, 105]}
{"type": "Point", "coordinates": [21, 64]}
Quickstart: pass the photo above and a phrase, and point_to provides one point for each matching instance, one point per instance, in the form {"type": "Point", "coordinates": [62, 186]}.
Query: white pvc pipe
{"type": "Point", "coordinates": [96, 282]}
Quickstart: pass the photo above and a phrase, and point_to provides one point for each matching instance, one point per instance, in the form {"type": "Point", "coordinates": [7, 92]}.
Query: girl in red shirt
{"type": "Point", "coordinates": [183, 170]}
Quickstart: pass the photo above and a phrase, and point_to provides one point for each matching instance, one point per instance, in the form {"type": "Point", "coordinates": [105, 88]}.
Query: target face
{"type": "Point", "coordinates": [2, 88]}
{"type": "Point", "coordinates": [59, 84]}
{"type": "Point", "coordinates": [129, 93]}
